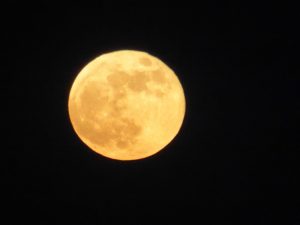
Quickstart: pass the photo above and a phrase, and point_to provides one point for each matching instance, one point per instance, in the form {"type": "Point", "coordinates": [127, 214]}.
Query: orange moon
{"type": "Point", "coordinates": [126, 105]}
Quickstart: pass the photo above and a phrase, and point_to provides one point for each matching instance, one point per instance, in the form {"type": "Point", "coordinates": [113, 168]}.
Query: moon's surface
{"type": "Point", "coordinates": [126, 105]}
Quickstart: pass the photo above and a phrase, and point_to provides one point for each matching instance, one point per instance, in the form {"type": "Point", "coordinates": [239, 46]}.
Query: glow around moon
{"type": "Point", "coordinates": [126, 105]}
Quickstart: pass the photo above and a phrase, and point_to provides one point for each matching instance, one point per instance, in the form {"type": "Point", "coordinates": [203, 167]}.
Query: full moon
{"type": "Point", "coordinates": [126, 105]}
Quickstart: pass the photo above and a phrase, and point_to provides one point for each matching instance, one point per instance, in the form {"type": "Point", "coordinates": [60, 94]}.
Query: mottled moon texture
{"type": "Point", "coordinates": [126, 105]}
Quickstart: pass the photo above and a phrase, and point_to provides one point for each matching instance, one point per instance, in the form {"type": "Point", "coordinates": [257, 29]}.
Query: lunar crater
{"type": "Point", "coordinates": [145, 61]}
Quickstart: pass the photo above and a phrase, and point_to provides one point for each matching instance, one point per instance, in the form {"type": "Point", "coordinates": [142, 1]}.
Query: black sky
{"type": "Point", "coordinates": [234, 160]}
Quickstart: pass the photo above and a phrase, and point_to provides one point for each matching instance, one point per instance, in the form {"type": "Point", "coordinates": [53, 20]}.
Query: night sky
{"type": "Point", "coordinates": [234, 161]}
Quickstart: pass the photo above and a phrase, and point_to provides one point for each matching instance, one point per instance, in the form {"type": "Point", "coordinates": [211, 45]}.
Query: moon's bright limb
{"type": "Point", "coordinates": [126, 105]}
